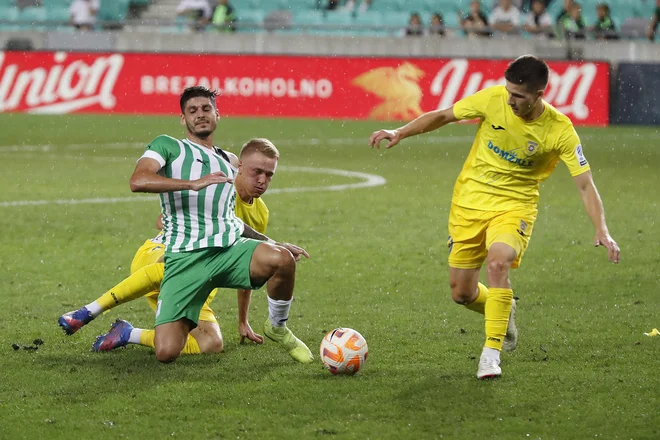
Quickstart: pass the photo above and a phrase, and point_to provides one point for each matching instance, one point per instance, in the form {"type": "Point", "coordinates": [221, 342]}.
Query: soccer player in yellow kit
{"type": "Point", "coordinates": [257, 164]}
{"type": "Point", "coordinates": [518, 144]}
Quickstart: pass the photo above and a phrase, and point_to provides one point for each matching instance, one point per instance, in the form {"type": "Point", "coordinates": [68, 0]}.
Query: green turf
{"type": "Point", "coordinates": [584, 368]}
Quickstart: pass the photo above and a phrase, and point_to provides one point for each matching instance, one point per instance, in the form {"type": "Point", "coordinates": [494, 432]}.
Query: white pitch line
{"type": "Point", "coordinates": [369, 180]}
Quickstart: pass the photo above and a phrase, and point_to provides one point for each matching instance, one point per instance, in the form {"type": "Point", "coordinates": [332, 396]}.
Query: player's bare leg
{"type": "Point", "coordinates": [464, 285]}
{"type": "Point", "coordinates": [170, 339]}
{"type": "Point", "coordinates": [278, 266]}
{"type": "Point", "coordinates": [208, 336]}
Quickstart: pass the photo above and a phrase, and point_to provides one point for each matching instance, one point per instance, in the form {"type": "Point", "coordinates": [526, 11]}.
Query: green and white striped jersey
{"type": "Point", "coordinates": [195, 219]}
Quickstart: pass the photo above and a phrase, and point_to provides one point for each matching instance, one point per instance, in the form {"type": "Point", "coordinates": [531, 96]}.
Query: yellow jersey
{"type": "Point", "coordinates": [254, 214]}
{"type": "Point", "coordinates": [510, 156]}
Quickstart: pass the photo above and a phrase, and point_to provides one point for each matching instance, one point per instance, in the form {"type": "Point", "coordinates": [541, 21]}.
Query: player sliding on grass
{"type": "Point", "coordinates": [256, 167]}
{"type": "Point", "coordinates": [519, 142]}
{"type": "Point", "coordinates": [206, 245]}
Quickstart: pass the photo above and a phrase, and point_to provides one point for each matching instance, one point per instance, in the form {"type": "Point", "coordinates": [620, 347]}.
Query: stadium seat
{"type": "Point", "coordinates": [59, 17]}
{"type": "Point", "coordinates": [7, 4]}
{"type": "Point", "coordinates": [33, 18]}
{"type": "Point", "coordinates": [113, 11]}
{"type": "Point", "coordinates": [9, 16]}
{"type": "Point", "coordinates": [251, 20]}
{"type": "Point", "coordinates": [389, 5]}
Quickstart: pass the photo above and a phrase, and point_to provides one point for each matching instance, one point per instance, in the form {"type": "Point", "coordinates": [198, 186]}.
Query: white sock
{"type": "Point", "coordinates": [135, 336]}
{"type": "Point", "coordinates": [94, 308]}
{"type": "Point", "coordinates": [491, 353]}
{"type": "Point", "coordinates": [278, 311]}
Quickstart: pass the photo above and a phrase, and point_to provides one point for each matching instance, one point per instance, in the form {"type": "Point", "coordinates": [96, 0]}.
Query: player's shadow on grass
{"type": "Point", "coordinates": [136, 369]}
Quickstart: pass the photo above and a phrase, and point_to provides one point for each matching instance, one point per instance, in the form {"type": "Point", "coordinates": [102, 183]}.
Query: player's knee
{"type": "Point", "coordinates": [167, 354]}
{"type": "Point", "coordinates": [211, 344]}
{"type": "Point", "coordinates": [497, 266]}
{"type": "Point", "coordinates": [460, 294]}
{"type": "Point", "coordinates": [283, 260]}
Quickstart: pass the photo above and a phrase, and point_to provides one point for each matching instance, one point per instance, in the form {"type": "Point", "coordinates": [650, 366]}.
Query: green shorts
{"type": "Point", "coordinates": [191, 276]}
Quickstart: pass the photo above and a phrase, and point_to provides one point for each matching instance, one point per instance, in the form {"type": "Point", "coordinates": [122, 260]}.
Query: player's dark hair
{"type": "Point", "coordinates": [196, 92]}
{"type": "Point", "coordinates": [528, 70]}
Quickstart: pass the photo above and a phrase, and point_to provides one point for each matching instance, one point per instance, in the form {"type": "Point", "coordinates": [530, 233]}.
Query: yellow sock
{"type": "Point", "coordinates": [191, 347]}
{"type": "Point", "coordinates": [498, 307]}
{"type": "Point", "coordinates": [140, 283]}
{"type": "Point", "coordinates": [479, 304]}
{"type": "Point", "coordinates": [147, 339]}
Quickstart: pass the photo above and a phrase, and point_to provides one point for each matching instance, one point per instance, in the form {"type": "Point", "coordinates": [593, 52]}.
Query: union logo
{"type": "Point", "coordinates": [398, 87]}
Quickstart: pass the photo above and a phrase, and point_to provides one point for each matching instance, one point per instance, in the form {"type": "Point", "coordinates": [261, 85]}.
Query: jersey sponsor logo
{"type": "Point", "coordinates": [580, 155]}
{"type": "Point", "coordinates": [497, 127]}
{"type": "Point", "coordinates": [509, 156]}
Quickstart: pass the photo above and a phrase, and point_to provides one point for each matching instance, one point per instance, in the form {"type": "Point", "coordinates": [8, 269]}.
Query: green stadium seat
{"type": "Point", "coordinates": [398, 19]}
{"type": "Point", "coordinates": [339, 19]}
{"type": "Point", "coordinates": [113, 11]}
{"type": "Point", "coordinates": [389, 5]}
{"type": "Point", "coordinates": [251, 20]}
{"type": "Point", "coordinates": [59, 17]}
{"type": "Point", "coordinates": [9, 16]}
{"type": "Point", "coordinates": [33, 18]}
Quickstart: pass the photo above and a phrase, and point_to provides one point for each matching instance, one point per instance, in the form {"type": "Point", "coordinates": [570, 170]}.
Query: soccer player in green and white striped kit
{"type": "Point", "coordinates": [207, 246]}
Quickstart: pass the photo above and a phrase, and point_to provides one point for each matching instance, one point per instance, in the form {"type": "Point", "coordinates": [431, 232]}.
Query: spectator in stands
{"type": "Point", "coordinates": [83, 14]}
{"type": "Point", "coordinates": [223, 16]}
{"type": "Point", "coordinates": [604, 28]}
{"type": "Point", "coordinates": [650, 33]}
{"type": "Point", "coordinates": [572, 25]}
{"type": "Point", "coordinates": [538, 20]}
{"type": "Point", "coordinates": [505, 17]}
{"type": "Point", "coordinates": [199, 12]}
{"type": "Point", "coordinates": [415, 27]}
{"type": "Point", "coordinates": [332, 5]}
{"type": "Point", "coordinates": [351, 5]}
{"type": "Point", "coordinates": [475, 22]}
{"type": "Point", "coordinates": [565, 11]}
{"type": "Point", "coordinates": [437, 25]}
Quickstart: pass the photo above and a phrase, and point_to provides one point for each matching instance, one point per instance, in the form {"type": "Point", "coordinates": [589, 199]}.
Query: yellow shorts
{"type": "Point", "coordinates": [472, 232]}
{"type": "Point", "coordinates": [150, 253]}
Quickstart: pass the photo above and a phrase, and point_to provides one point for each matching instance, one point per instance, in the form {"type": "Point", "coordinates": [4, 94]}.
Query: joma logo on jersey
{"type": "Point", "coordinates": [509, 156]}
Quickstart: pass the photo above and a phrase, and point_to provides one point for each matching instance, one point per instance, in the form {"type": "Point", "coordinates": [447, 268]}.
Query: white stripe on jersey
{"type": "Point", "coordinates": [177, 168]}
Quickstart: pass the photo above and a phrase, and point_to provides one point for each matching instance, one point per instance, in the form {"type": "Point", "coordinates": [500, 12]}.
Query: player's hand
{"type": "Point", "coordinates": [210, 179]}
{"type": "Point", "coordinates": [297, 251]}
{"type": "Point", "coordinates": [604, 239]}
{"type": "Point", "coordinates": [393, 136]}
{"type": "Point", "coordinates": [246, 331]}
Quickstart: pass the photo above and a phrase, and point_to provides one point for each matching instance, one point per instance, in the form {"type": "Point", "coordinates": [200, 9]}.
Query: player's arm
{"type": "Point", "coordinates": [159, 222]}
{"type": "Point", "coordinates": [244, 328]}
{"type": "Point", "coordinates": [594, 206]}
{"type": "Point", "coordinates": [427, 122]}
{"type": "Point", "coordinates": [145, 178]}
{"type": "Point", "coordinates": [297, 251]}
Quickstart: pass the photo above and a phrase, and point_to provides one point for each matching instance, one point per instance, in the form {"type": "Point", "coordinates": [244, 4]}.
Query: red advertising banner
{"type": "Point", "coordinates": [279, 86]}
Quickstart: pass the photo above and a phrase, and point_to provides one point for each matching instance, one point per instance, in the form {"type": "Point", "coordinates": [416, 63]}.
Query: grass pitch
{"type": "Point", "coordinates": [584, 368]}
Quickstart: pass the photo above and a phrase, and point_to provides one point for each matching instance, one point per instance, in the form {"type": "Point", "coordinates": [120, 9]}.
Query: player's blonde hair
{"type": "Point", "coordinates": [260, 145]}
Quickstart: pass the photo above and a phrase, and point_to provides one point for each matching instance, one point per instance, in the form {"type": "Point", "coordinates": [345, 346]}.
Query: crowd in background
{"type": "Point", "coordinates": [507, 16]}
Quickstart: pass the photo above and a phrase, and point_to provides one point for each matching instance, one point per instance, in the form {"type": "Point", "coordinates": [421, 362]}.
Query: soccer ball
{"type": "Point", "coordinates": [344, 351]}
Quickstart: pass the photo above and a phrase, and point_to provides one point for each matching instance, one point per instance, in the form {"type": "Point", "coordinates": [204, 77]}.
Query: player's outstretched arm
{"type": "Point", "coordinates": [145, 178]}
{"type": "Point", "coordinates": [296, 251]}
{"type": "Point", "coordinates": [594, 206]}
{"type": "Point", "coordinates": [244, 329]}
{"type": "Point", "coordinates": [427, 122]}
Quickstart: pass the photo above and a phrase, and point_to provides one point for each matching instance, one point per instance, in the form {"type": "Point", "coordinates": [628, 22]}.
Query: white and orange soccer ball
{"type": "Point", "coordinates": [344, 351]}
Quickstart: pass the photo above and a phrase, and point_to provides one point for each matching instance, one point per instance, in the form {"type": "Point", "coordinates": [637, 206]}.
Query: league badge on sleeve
{"type": "Point", "coordinates": [580, 155]}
